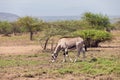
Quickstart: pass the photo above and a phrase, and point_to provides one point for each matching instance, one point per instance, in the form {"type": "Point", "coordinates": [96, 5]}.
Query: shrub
{"type": "Point", "coordinates": [93, 37]}
{"type": "Point", "coordinates": [97, 21]}
{"type": "Point", "coordinates": [5, 28]}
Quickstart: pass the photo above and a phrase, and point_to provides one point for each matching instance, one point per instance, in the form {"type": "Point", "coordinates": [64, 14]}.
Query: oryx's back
{"type": "Point", "coordinates": [70, 42]}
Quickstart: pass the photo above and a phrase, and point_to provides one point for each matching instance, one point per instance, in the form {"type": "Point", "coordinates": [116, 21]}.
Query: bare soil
{"type": "Point", "coordinates": [21, 47]}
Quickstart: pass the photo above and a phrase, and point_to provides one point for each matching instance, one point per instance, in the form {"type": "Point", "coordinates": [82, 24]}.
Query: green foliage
{"type": "Point", "coordinates": [93, 37]}
{"type": "Point", "coordinates": [51, 30]}
{"type": "Point", "coordinates": [30, 25]}
{"type": "Point", "coordinates": [63, 27]}
{"type": "Point", "coordinates": [97, 21]}
{"type": "Point", "coordinates": [93, 34]}
{"type": "Point", "coordinates": [67, 27]}
{"type": "Point", "coordinates": [5, 28]}
{"type": "Point", "coordinates": [15, 27]}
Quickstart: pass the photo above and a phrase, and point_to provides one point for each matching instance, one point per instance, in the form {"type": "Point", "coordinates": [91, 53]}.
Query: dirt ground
{"type": "Point", "coordinates": [20, 49]}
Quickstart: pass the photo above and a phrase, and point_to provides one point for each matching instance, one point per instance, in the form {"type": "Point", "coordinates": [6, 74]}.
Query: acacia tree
{"type": "Point", "coordinates": [62, 28]}
{"type": "Point", "coordinates": [31, 24]}
{"type": "Point", "coordinates": [5, 28]}
{"type": "Point", "coordinates": [97, 21]}
{"type": "Point", "coordinates": [50, 30]}
{"type": "Point", "coordinates": [15, 28]}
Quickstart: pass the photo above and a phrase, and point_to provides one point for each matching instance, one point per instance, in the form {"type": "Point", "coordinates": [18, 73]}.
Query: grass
{"type": "Point", "coordinates": [21, 60]}
{"type": "Point", "coordinates": [102, 66]}
{"type": "Point", "coordinates": [39, 64]}
{"type": "Point", "coordinates": [100, 62]}
{"type": "Point", "coordinates": [14, 63]}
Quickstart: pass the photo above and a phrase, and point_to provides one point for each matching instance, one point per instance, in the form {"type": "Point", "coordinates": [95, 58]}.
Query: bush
{"type": "Point", "coordinates": [97, 21]}
{"type": "Point", "coordinates": [5, 28]}
{"type": "Point", "coordinates": [93, 37]}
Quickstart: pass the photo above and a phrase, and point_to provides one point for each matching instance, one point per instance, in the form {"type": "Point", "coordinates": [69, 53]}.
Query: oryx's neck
{"type": "Point", "coordinates": [57, 49]}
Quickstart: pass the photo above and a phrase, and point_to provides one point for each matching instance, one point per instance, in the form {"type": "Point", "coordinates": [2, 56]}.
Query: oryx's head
{"type": "Point", "coordinates": [54, 56]}
{"type": "Point", "coordinates": [55, 53]}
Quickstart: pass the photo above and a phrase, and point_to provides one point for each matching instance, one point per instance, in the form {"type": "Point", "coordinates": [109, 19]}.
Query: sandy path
{"type": "Point", "coordinates": [19, 49]}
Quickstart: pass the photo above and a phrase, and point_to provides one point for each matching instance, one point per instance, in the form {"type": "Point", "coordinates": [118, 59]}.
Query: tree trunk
{"type": "Point", "coordinates": [31, 35]}
{"type": "Point", "coordinates": [46, 42]}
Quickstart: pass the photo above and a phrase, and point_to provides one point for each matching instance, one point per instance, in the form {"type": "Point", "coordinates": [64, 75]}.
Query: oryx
{"type": "Point", "coordinates": [68, 43]}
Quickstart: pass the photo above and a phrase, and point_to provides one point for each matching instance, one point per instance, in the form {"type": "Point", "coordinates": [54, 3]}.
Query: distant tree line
{"type": "Point", "coordinates": [33, 25]}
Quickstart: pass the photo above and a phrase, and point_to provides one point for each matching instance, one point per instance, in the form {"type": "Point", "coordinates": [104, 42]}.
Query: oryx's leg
{"type": "Point", "coordinates": [83, 50]}
{"type": "Point", "coordinates": [78, 52]}
{"type": "Point", "coordinates": [66, 55]}
{"type": "Point", "coordinates": [64, 59]}
{"type": "Point", "coordinates": [70, 58]}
